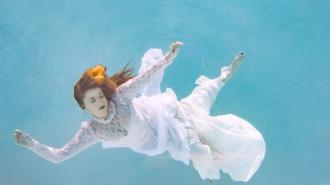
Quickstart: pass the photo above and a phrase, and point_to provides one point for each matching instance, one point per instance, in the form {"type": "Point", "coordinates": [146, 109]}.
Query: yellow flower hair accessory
{"type": "Point", "coordinates": [97, 73]}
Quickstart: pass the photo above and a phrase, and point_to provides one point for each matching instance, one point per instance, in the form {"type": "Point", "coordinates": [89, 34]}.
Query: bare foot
{"type": "Point", "coordinates": [173, 50]}
{"type": "Point", "coordinates": [227, 71]}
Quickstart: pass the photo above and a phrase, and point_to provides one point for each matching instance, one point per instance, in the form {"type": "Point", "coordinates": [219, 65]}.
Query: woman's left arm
{"type": "Point", "coordinates": [131, 88]}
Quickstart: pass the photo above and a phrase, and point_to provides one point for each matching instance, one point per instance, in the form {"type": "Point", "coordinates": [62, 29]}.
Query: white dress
{"type": "Point", "coordinates": [151, 122]}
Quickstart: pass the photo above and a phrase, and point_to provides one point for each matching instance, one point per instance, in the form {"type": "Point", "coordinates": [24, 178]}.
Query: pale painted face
{"type": "Point", "coordinates": [96, 103]}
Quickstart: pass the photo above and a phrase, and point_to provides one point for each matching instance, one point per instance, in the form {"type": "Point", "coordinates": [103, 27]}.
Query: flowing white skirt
{"type": "Point", "coordinates": [237, 148]}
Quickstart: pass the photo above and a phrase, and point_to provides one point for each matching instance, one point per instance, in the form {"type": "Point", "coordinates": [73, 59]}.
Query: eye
{"type": "Point", "coordinates": [101, 96]}
{"type": "Point", "coordinates": [93, 100]}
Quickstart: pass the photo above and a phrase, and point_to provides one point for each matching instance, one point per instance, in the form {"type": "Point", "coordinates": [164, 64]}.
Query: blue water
{"type": "Point", "coordinates": [282, 87]}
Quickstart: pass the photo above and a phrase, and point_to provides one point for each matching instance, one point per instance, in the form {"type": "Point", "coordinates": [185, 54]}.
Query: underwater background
{"type": "Point", "coordinates": [282, 87]}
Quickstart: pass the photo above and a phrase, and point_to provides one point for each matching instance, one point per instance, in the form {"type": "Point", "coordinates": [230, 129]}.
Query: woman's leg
{"type": "Point", "coordinates": [207, 89]}
{"type": "Point", "coordinates": [201, 99]}
{"type": "Point", "coordinates": [204, 94]}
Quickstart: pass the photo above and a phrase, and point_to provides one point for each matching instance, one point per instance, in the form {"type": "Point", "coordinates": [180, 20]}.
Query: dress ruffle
{"type": "Point", "coordinates": [159, 112]}
{"type": "Point", "coordinates": [237, 147]}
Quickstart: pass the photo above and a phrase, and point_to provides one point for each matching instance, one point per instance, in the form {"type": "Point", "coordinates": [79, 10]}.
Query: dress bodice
{"type": "Point", "coordinates": [122, 128]}
{"type": "Point", "coordinates": [127, 125]}
{"type": "Point", "coordinates": [117, 123]}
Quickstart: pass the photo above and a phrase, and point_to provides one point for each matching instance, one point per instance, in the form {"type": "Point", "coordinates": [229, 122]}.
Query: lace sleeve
{"type": "Point", "coordinates": [84, 138]}
{"type": "Point", "coordinates": [132, 87]}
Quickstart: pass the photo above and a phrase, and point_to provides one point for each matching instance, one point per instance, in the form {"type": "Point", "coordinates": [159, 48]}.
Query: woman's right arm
{"type": "Point", "coordinates": [83, 139]}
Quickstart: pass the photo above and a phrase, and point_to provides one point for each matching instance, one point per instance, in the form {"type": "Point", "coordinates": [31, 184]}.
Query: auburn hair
{"type": "Point", "coordinates": [96, 77]}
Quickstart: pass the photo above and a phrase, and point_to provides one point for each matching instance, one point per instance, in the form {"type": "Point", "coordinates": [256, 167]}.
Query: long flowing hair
{"type": "Point", "coordinates": [96, 77]}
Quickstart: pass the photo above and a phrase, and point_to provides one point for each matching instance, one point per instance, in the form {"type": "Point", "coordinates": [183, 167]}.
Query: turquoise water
{"type": "Point", "coordinates": [282, 87]}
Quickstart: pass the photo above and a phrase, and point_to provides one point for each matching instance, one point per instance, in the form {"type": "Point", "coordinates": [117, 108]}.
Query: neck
{"type": "Point", "coordinates": [102, 118]}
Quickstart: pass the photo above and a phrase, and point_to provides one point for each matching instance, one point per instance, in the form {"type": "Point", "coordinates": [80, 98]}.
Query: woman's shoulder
{"type": "Point", "coordinates": [85, 124]}
{"type": "Point", "coordinates": [87, 127]}
{"type": "Point", "coordinates": [86, 131]}
{"type": "Point", "coordinates": [120, 99]}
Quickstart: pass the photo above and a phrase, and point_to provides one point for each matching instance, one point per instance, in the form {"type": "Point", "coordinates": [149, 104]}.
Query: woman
{"type": "Point", "coordinates": [131, 111]}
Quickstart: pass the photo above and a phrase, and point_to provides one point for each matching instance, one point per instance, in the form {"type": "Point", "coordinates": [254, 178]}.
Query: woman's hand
{"type": "Point", "coordinates": [173, 50]}
{"type": "Point", "coordinates": [22, 138]}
